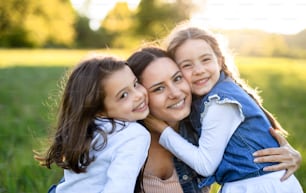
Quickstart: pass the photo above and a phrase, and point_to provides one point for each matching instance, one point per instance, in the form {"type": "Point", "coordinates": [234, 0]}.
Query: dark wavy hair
{"type": "Point", "coordinates": [82, 100]}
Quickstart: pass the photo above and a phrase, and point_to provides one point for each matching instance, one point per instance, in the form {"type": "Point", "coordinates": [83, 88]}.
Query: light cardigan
{"type": "Point", "coordinates": [117, 166]}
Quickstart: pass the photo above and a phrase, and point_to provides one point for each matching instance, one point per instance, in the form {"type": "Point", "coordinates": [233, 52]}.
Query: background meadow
{"type": "Point", "coordinates": [40, 40]}
{"type": "Point", "coordinates": [29, 85]}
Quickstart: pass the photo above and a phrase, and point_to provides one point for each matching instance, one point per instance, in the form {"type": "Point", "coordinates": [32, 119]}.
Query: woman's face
{"type": "Point", "coordinates": [169, 93]}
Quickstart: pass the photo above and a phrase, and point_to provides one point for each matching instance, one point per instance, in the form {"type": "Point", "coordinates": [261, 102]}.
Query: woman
{"type": "Point", "coordinates": [169, 100]}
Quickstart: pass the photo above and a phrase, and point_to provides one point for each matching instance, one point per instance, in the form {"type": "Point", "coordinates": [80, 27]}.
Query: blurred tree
{"type": "Point", "coordinates": [34, 23]}
{"type": "Point", "coordinates": [154, 18]}
{"type": "Point", "coordinates": [119, 22]}
{"type": "Point", "coordinates": [298, 40]}
{"type": "Point", "coordinates": [119, 19]}
{"type": "Point", "coordinates": [275, 45]}
{"type": "Point", "coordinates": [87, 38]}
{"type": "Point", "coordinates": [260, 43]}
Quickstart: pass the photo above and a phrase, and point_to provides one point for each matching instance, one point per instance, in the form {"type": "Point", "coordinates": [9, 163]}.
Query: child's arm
{"type": "Point", "coordinates": [218, 125]}
{"type": "Point", "coordinates": [127, 162]}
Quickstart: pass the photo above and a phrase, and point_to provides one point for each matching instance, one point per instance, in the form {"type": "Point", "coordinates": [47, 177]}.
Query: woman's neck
{"type": "Point", "coordinates": [174, 125]}
{"type": "Point", "coordinates": [160, 160]}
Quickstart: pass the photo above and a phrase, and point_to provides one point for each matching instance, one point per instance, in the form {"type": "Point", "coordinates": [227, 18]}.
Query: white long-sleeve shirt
{"type": "Point", "coordinates": [218, 125]}
{"type": "Point", "coordinates": [116, 167]}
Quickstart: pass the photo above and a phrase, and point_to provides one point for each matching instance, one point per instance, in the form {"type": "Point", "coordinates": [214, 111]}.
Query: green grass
{"type": "Point", "coordinates": [28, 79]}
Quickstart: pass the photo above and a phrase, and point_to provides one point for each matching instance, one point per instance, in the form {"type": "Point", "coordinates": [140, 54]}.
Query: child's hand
{"type": "Point", "coordinates": [154, 124]}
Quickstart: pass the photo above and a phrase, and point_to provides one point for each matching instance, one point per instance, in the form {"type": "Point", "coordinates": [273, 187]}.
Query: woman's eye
{"type": "Point", "coordinates": [178, 78]}
{"type": "Point", "coordinates": [158, 89]}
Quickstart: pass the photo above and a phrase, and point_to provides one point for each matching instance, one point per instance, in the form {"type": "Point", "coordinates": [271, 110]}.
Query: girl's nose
{"type": "Point", "coordinates": [198, 68]}
{"type": "Point", "coordinates": [139, 94]}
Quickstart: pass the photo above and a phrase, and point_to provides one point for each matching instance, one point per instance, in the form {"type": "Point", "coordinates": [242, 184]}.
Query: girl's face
{"type": "Point", "coordinates": [199, 65]}
{"type": "Point", "coordinates": [169, 93]}
{"type": "Point", "coordinates": [125, 98]}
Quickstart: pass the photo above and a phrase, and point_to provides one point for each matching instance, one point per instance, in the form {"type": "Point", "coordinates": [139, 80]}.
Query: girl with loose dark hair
{"type": "Point", "coordinates": [98, 142]}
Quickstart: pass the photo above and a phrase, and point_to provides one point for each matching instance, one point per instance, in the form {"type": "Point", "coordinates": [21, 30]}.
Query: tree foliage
{"type": "Point", "coordinates": [36, 23]}
{"type": "Point", "coordinates": [87, 38]}
{"type": "Point", "coordinates": [119, 22]}
{"type": "Point", "coordinates": [119, 19]}
{"type": "Point", "coordinates": [54, 23]}
{"type": "Point", "coordinates": [154, 18]}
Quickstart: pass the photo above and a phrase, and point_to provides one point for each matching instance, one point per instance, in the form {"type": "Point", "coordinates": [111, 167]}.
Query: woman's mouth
{"type": "Point", "coordinates": [177, 105]}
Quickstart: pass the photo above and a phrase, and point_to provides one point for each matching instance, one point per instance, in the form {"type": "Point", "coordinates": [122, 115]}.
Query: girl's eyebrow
{"type": "Point", "coordinates": [159, 83]}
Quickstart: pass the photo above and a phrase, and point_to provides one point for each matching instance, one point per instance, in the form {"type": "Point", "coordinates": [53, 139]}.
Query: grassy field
{"type": "Point", "coordinates": [29, 82]}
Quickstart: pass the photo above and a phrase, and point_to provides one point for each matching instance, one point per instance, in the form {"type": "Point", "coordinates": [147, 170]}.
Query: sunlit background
{"type": "Point", "coordinates": [278, 16]}
{"type": "Point", "coordinates": [39, 39]}
{"type": "Point", "coordinates": [257, 28]}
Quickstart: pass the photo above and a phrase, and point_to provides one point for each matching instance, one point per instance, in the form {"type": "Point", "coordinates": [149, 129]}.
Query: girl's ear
{"type": "Point", "coordinates": [101, 114]}
{"type": "Point", "coordinates": [221, 62]}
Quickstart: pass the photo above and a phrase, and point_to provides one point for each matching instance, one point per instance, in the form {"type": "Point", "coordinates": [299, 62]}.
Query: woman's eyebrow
{"type": "Point", "coordinates": [154, 85]}
{"type": "Point", "coordinates": [175, 74]}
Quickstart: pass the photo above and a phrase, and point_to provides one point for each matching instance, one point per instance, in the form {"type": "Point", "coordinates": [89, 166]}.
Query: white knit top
{"type": "Point", "coordinates": [153, 184]}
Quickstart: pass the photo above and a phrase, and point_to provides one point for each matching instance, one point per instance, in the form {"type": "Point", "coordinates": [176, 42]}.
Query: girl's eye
{"type": "Point", "coordinates": [205, 59]}
{"type": "Point", "coordinates": [124, 95]}
{"type": "Point", "coordinates": [186, 65]}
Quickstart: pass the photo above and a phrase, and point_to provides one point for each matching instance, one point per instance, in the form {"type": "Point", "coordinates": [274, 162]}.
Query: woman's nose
{"type": "Point", "coordinates": [174, 92]}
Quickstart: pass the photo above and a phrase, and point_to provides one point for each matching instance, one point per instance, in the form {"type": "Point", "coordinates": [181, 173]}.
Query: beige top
{"type": "Point", "coordinates": [153, 184]}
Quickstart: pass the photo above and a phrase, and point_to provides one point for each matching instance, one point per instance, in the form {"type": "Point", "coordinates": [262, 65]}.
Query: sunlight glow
{"type": "Point", "coordinates": [276, 16]}
{"type": "Point", "coordinates": [98, 9]}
